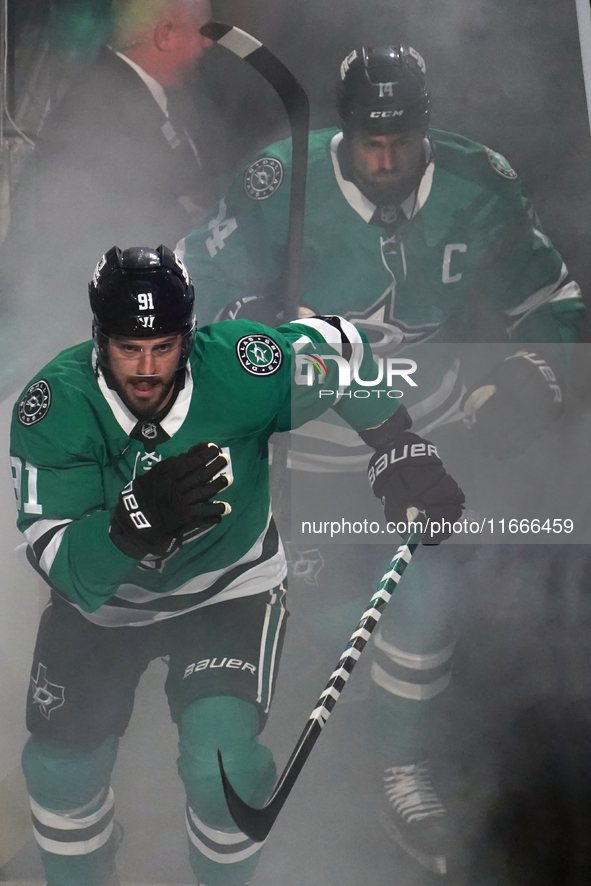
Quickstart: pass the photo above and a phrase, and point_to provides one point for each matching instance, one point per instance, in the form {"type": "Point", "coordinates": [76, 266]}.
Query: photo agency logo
{"type": "Point", "coordinates": [391, 372]}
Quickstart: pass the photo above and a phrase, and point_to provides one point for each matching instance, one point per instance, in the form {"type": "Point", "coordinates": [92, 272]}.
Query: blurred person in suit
{"type": "Point", "coordinates": [124, 156]}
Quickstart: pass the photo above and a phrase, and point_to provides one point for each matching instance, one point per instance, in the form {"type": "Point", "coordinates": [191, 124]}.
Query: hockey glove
{"type": "Point", "coordinates": [155, 509]}
{"type": "Point", "coordinates": [514, 405]}
{"type": "Point", "coordinates": [407, 472]}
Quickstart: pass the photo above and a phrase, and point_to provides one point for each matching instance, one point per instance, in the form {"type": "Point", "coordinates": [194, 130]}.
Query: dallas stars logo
{"type": "Point", "coordinates": [500, 164]}
{"type": "Point", "coordinates": [49, 696]}
{"type": "Point", "coordinates": [263, 178]}
{"type": "Point", "coordinates": [35, 403]}
{"type": "Point", "coordinates": [259, 354]}
{"type": "Point", "coordinates": [305, 565]}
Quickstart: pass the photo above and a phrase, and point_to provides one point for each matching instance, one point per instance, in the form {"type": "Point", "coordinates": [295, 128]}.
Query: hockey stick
{"type": "Point", "coordinates": [256, 823]}
{"type": "Point", "coordinates": [297, 106]}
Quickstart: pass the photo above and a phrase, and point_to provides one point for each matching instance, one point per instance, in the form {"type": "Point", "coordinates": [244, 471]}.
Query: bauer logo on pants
{"type": "Point", "coordinates": [263, 178]}
{"type": "Point", "coordinates": [259, 354]}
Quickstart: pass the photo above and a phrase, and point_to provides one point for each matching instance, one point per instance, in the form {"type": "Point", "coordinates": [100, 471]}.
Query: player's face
{"type": "Point", "coordinates": [388, 163]}
{"type": "Point", "coordinates": [188, 43]}
{"type": "Point", "coordinates": [144, 370]}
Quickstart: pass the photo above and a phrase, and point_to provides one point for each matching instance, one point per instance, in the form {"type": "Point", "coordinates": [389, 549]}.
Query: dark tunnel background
{"type": "Point", "coordinates": [507, 73]}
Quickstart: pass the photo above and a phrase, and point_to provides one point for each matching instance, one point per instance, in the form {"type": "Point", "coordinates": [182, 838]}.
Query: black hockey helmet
{"type": "Point", "coordinates": [141, 292]}
{"type": "Point", "coordinates": [383, 90]}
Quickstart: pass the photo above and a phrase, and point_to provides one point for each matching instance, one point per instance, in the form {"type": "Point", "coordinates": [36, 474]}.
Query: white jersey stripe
{"type": "Point", "coordinates": [333, 335]}
{"type": "Point", "coordinates": [50, 552]}
{"type": "Point", "coordinates": [552, 293]}
{"type": "Point", "coordinates": [34, 532]}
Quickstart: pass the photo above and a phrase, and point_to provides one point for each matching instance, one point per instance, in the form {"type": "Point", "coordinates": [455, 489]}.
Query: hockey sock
{"type": "Point", "coordinates": [413, 651]}
{"type": "Point", "coordinates": [220, 854]}
{"type": "Point", "coordinates": [72, 807]}
{"type": "Point", "coordinates": [407, 730]}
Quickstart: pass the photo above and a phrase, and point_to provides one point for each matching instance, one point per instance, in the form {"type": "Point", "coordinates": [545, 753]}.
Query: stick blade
{"type": "Point", "coordinates": [255, 823]}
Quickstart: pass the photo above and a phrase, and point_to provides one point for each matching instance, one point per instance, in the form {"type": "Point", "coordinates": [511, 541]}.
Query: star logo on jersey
{"type": "Point", "coordinates": [35, 403]}
{"type": "Point", "coordinates": [49, 696]}
{"type": "Point", "coordinates": [304, 565]}
{"type": "Point", "coordinates": [259, 354]}
{"type": "Point", "coordinates": [263, 178]}
{"type": "Point", "coordinates": [385, 333]}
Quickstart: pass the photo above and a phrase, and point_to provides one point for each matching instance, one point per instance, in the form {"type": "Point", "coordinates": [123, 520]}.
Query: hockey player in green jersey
{"type": "Point", "coordinates": [141, 478]}
{"type": "Point", "coordinates": [415, 235]}
{"type": "Point", "coordinates": [405, 225]}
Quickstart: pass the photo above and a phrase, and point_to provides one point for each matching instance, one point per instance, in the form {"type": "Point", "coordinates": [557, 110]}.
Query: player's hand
{"type": "Point", "coordinates": [174, 497]}
{"type": "Point", "coordinates": [514, 405]}
{"type": "Point", "coordinates": [408, 473]}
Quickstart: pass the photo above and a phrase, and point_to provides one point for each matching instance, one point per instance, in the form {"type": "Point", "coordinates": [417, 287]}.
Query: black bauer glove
{"type": "Point", "coordinates": [514, 405]}
{"type": "Point", "coordinates": [155, 509]}
{"type": "Point", "coordinates": [409, 473]}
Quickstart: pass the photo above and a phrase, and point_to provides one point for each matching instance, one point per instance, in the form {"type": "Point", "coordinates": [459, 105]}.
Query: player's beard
{"type": "Point", "coordinates": [381, 192]}
{"type": "Point", "coordinates": [145, 407]}
{"type": "Point", "coordinates": [384, 193]}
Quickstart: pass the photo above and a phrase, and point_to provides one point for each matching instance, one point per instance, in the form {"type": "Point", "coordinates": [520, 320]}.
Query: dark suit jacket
{"type": "Point", "coordinates": [109, 169]}
{"type": "Point", "coordinates": [110, 144]}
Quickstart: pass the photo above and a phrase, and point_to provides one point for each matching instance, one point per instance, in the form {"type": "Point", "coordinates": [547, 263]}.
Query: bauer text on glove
{"type": "Point", "coordinates": [409, 473]}
{"type": "Point", "coordinates": [174, 497]}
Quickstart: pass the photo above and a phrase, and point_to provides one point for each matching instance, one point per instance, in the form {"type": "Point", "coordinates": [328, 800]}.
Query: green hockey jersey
{"type": "Point", "coordinates": [463, 259]}
{"type": "Point", "coordinates": [466, 234]}
{"type": "Point", "coordinates": [75, 445]}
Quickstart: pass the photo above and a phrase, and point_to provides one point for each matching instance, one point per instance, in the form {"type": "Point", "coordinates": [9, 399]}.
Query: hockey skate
{"type": "Point", "coordinates": [416, 818]}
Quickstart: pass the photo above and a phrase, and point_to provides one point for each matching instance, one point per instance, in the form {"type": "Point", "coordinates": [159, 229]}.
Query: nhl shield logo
{"type": "Point", "coordinates": [263, 178]}
{"type": "Point", "coordinates": [35, 403]}
{"type": "Point", "coordinates": [149, 430]}
{"type": "Point", "coordinates": [259, 354]}
{"type": "Point", "coordinates": [49, 696]}
{"type": "Point", "coordinates": [388, 214]}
